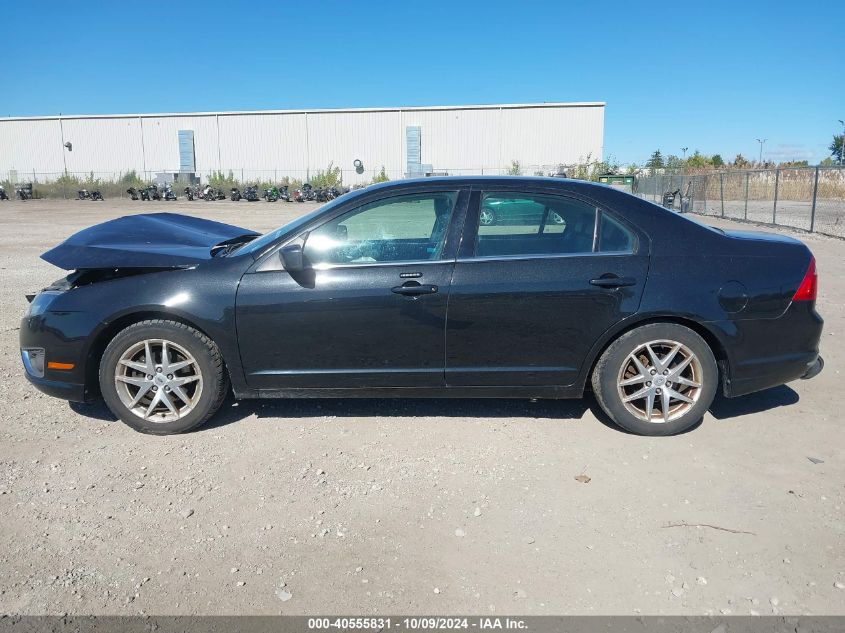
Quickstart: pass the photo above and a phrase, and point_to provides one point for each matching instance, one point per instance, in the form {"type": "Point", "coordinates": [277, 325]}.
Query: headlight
{"type": "Point", "coordinates": [41, 302]}
{"type": "Point", "coordinates": [33, 361]}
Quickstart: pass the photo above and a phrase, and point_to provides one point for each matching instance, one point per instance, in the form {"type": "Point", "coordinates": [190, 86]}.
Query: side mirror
{"type": "Point", "coordinates": [292, 258]}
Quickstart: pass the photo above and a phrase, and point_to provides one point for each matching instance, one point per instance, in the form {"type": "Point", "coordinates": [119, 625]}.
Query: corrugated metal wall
{"type": "Point", "coordinates": [466, 139]}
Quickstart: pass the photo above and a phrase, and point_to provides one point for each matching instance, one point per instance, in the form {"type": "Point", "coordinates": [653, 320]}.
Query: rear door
{"type": "Point", "coordinates": [532, 292]}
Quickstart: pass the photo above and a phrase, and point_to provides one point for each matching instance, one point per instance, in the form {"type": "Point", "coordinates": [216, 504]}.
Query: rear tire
{"type": "Point", "coordinates": [162, 377]}
{"type": "Point", "coordinates": [658, 379]}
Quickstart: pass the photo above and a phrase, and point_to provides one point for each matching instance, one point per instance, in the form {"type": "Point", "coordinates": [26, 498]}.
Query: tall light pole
{"type": "Point", "coordinates": [684, 150]}
{"type": "Point", "coordinates": [761, 141]}
{"type": "Point", "coordinates": [842, 144]}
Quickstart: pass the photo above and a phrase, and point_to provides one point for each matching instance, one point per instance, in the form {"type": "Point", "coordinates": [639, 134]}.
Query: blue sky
{"type": "Point", "coordinates": [711, 76]}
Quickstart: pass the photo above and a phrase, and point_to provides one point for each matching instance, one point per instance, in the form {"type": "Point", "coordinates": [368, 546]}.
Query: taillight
{"type": "Point", "coordinates": [809, 285]}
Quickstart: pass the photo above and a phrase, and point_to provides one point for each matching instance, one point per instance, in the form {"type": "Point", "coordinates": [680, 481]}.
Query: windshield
{"type": "Point", "coordinates": [260, 243]}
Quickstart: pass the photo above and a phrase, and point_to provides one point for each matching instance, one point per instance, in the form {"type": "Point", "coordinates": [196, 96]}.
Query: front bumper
{"type": "Point", "coordinates": [60, 389]}
{"type": "Point", "coordinates": [65, 337]}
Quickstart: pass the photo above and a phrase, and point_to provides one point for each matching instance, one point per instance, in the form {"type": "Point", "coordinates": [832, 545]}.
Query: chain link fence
{"type": "Point", "coordinates": [113, 184]}
{"type": "Point", "coordinates": [810, 199]}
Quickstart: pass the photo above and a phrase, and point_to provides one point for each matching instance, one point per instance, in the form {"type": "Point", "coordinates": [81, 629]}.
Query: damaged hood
{"type": "Point", "coordinates": [156, 240]}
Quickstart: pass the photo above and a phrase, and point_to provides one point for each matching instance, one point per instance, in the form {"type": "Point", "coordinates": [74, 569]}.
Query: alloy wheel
{"type": "Point", "coordinates": [660, 381]}
{"type": "Point", "coordinates": [158, 380]}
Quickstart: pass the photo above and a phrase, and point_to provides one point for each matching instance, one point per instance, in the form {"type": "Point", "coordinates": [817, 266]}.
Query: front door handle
{"type": "Point", "coordinates": [414, 289]}
{"type": "Point", "coordinates": [613, 282]}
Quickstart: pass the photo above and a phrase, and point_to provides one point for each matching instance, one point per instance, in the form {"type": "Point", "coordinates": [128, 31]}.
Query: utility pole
{"type": "Point", "coordinates": [842, 145]}
{"type": "Point", "coordinates": [684, 150]}
{"type": "Point", "coordinates": [761, 141]}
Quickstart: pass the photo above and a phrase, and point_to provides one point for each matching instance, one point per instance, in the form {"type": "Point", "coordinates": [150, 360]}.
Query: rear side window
{"type": "Point", "coordinates": [613, 237]}
{"type": "Point", "coordinates": [534, 224]}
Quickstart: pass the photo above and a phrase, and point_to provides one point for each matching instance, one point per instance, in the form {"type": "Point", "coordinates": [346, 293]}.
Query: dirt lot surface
{"type": "Point", "coordinates": [440, 506]}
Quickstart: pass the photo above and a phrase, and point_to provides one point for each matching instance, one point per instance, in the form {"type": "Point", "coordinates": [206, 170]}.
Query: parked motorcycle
{"type": "Point", "coordinates": [251, 193]}
{"type": "Point", "coordinates": [236, 194]}
{"type": "Point", "coordinates": [23, 191]}
{"type": "Point", "coordinates": [271, 194]}
{"type": "Point", "coordinates": [84, 194]}
{"type": "Point", "coordinates": [189, 193]}
{"type": "Point", "coordinates": [169, 194]}
{"type": "Point", "coordinates": [284, 194]}
{"type": "Point", "coordinates": [3, 194]}
{"type": "Point", "coordinates": [133, 193]}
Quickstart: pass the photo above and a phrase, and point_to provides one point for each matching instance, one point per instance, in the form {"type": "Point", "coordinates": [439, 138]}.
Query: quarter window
{"type": "Point", "coordinates": [615, 238]}
{"type": "Point", "coordinates": [402, 228]}
{"type": "Point", "coordinates": [529, 224]}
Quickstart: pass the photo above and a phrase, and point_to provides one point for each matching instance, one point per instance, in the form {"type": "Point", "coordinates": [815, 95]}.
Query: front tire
{"type": "Point", "coordinates": [162, 377]}
{"type": "Point", "coordinates": [658, 379]}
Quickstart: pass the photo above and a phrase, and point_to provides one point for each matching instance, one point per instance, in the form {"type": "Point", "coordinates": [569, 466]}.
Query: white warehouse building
{"type": "Point", "coordinates": [273, 144]}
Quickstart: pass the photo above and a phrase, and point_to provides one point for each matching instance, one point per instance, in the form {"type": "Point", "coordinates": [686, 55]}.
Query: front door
{"type": "Point", "coordinates": [368, 311]}
{"type": "Point", "coordinates": [540, 277]}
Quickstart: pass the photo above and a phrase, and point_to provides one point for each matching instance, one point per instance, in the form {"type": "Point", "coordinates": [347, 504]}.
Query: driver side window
{"type": "Point", "coordinates": [402, 228]}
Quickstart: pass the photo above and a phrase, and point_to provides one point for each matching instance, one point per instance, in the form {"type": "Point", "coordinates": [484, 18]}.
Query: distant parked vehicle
{"type": "Point", "coordinates": [235, 194]}
{"type": "Point", "coordinates": [516, 212]}
{"type": "Point", "coordinates": [284, 194]}
{"type": "Point", "coordinates": [169, 194]}
{"type": "Point", "coordinates": [251, 193]}
{"type": "Point", "coordinates": [3, 194]}
{"type": "Point", "coordinates": [189, 193]}
{"type": "Point", "coordinates": [23, 191]}
{"type": "Point", "coordinates": [133, 193]}
{"type": "Point", "coordinates": [84, 194]}
{"type": "Point", "coordinates": [271, 194]}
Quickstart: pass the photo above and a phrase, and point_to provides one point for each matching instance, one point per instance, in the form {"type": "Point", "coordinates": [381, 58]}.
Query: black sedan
{"type": "Point", "coordinates": [401, 290]}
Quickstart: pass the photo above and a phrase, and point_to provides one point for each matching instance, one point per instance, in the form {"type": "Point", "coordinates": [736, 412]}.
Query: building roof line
{"type": "Point", "coordinates": [496, 106]}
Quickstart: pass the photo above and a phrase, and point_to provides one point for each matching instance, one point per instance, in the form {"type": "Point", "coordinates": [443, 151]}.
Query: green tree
{"type": "Point", "coordinates": [717, 161]}
{"type": "Point", "coordinates": [655, 162]}
{"type": "Point", "coordinates": [740, 162]}
{"type": "Point", "coordinates": [381, 176]}
{"type": "Point", "coordinates": [827, 162]}
{"type": "Point", "coordinates": [674, 162]}
{"type": "Point", "coordinates": [698, 160]}
{"type": "Point", "coordinates": [836, 147]}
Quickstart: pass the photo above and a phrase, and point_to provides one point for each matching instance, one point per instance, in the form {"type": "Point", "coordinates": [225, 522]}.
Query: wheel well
{"type": "Point", "coordinates": [713, 343]}
{"type": "Point", "coordinates": [95, 352]}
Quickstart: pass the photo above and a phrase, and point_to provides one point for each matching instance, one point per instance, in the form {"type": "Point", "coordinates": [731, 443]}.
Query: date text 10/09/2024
{"type": "Point", "coordinates": [416, 623]}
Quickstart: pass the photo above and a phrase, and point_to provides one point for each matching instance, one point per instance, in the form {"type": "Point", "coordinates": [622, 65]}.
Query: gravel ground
{"type": "Point", "coordinates": [440, 506]}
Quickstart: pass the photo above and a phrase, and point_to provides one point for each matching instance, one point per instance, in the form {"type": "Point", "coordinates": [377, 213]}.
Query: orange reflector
{"type": "Point", "coordinates": [54, 365]}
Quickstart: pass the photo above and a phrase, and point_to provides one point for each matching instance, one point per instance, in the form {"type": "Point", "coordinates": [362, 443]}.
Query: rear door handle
{"type": "Point", "coordinates": [414, 289]}
{"type": "Point", "coordinates": [613, 282]}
